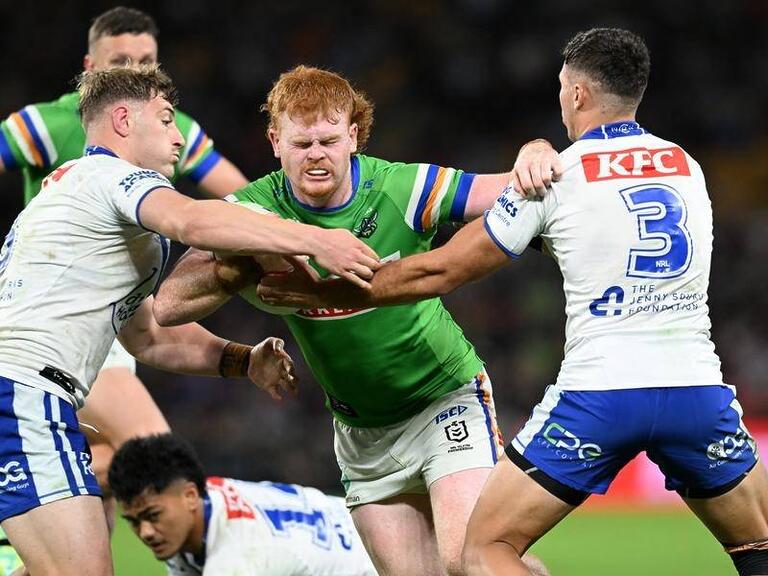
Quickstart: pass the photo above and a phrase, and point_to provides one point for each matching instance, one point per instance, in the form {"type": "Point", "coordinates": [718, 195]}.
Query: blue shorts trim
{"type": "Point", "coordinates": [43, 455]}
{"type": "Point", "coordinates": [694, 434]}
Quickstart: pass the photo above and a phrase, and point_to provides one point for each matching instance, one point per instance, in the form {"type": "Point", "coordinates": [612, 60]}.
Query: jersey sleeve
{"type": "Point", "coordinates": [513, 221]}
{"type": "Point", "coordinates": [25, 138]}
{"type": "Point", "coordinates": [129, 187]}
{"type": "Point", "coordinates": [198, 157]}
{"type": "Point", "coordinates": [428, 195]}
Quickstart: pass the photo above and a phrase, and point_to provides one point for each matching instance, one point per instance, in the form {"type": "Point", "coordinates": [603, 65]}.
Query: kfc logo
{"type": "Point", "coordinates": [635, 163]}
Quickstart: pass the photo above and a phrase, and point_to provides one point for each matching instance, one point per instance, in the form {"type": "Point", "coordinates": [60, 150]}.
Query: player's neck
{"type": "Point", "coordinates": [334, 199]}
{"type": "Point", "coordinates": [600, 119]}
{"type": "Point", "coordinates": [194, 543]}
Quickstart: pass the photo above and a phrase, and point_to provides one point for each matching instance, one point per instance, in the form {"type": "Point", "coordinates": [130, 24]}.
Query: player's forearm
{"type": "Point", "coordinates": [192, 291]}
{"type": "Point", "coordinates": [215, 225]}
{"type": "Point", "coordinates": [185, 349]}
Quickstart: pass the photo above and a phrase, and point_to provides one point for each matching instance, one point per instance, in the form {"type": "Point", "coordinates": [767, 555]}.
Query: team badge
{"type": "Point", "coordinates": [367, 226]}
{"type": "Point", "coordinates": [457, 431]}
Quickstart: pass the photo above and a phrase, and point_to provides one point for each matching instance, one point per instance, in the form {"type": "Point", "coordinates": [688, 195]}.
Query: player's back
{"type": "Point", "coordinates": [73, 269]}
{"type": "Point", "coordinates": [630, 225]}
{"type": "Point", "coordinates": [274, 529]}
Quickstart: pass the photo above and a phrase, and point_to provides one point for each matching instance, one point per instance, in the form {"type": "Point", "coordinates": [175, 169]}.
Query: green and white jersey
{"type": "Point", "coordinates": [383, 365]}
{"type": "Point", "coordinates": [41, 137]}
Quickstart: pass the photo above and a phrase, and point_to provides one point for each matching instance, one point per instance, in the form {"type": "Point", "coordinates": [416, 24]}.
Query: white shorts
{"type": "Point", "coordinates": [43, 455]}
{"type": "Point", "coordinates": [119, 357]}
{"type": "Point", "coordinates": [456, 432]}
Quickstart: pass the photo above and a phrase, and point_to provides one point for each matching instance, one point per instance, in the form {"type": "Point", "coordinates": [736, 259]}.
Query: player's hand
{"type": "Point", "coordinates": [537, 166]}
{"type": "Point", "coordinates": [271, 368]}
{"type": "Point", "coordinates": [299, 288]}
{"type": "Point", "coordinates": [236, 272]}
{"type": "Point", "coordinates": [346, 256]}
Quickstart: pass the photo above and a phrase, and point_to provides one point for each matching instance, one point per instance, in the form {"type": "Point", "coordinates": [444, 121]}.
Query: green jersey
{"type": "Point", "coordinates": [380, 366]}
{"type": "Point", "coordinates": [41, 137]}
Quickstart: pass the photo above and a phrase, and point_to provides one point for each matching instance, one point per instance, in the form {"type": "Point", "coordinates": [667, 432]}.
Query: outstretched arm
{"type": "Point", "coordinates": [470, 255]}
{"type": "Point", "coordinates": [536, 167]}
{"type": "Point", "coordinates": [199, 284]}
{"type": "Point", "coordinates": [191, 349]}
{"type": "Point", "coordinates": [217, 225]}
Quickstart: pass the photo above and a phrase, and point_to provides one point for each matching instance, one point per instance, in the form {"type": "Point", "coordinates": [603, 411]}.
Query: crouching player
{"type": "Point", "coordinates": [221, 526]}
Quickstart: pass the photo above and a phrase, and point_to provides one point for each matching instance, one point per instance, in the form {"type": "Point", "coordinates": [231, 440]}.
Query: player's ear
{"type": "Point", "coordinates": [121, 120]}
{"type": "Point", "coordinates": [353, 138]}
{"type": "Point", "coordinates": [87, 62]}
{"type": "Point", "coordinates": [274, 139]}
{"type": "Point", "coordinates": [190, 496]}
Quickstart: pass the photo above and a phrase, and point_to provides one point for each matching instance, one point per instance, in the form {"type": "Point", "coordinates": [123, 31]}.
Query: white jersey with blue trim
{"type": "Point", "coordinates": [630, 226]}
{"type": "Point", "coordinates": [270, 529]}
{"type": "Point", "coordinates": [74, 268]}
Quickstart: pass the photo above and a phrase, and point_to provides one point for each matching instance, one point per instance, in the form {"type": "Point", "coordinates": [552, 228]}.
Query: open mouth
{"type": "Point", "coordinates": [317, 173]}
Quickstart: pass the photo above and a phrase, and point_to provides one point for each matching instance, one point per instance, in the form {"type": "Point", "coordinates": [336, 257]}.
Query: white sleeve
{"type": "Point", "coordinates": [129, 186]}
{"type": "Point", "coordinates": [513, 221]}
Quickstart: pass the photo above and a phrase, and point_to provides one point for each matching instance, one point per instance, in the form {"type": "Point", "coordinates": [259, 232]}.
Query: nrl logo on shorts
{"type": "Point", "coordinates": [367, 226]}
{"type": "Point", "coordinates": [456, 431]}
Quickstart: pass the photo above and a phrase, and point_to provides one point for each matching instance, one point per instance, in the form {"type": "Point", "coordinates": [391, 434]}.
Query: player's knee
{"type": "Point", "coordinates": [750, 559]}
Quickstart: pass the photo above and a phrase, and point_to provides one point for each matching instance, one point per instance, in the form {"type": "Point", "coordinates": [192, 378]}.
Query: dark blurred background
{"type": "Point", "coordinates": [461, 83]}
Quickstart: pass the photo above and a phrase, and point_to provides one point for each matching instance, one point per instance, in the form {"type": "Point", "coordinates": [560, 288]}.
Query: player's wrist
{"type": "Point", "coordinates": [235, 359]}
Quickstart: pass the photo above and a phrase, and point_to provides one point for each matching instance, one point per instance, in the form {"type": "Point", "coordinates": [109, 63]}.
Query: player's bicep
{"type": "Point", "coordinates": [485, 189]}
{"type": "Point", "coordinates": [161, 210]}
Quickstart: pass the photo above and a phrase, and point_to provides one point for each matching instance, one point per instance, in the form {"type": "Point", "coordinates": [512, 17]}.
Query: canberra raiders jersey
{"type": "Point", "coordinates": [268, 529]}
{"type": "Point", "coordinates": [380, 366]}
{"type": "Point", "coordinates": [74, 268]}
{"type": "Point", "coordinates": [41, 137]}
{"type": "Point", "coordinates": [630, 225]}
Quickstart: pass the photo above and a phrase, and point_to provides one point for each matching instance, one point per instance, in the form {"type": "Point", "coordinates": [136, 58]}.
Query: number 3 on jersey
{"type": "Point", "coordinates": [661, 214]}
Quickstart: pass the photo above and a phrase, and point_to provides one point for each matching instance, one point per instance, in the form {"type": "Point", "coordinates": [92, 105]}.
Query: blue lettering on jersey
{"type": "Point", "coordinates": [135, 177]}
{"type": "Point", "coordinates": [603, 306]}
{"type": "Point", "coordinates": [661, 217]}
{"type": "Point", "coordinates": [286, 488]}
{"type": "Point", "coordinates": [507, 204]}
{"type": "Point", "coordinates": [282, 519]}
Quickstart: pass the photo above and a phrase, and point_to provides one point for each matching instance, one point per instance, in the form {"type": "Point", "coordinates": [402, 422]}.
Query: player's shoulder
{"type": "Point", "coordinates": [265, 191]}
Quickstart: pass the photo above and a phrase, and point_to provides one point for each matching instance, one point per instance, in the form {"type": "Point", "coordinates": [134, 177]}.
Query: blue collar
{"type": "Point", "coordinates": [354, 169]}
{"type": "Point", "coordinates": [614, 130]}
{"type": "Point", "coordinates": [93, 150]}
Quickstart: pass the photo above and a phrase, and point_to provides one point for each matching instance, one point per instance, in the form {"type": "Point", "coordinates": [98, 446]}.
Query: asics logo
{"type": "Point", "coordinates": [12, 472]}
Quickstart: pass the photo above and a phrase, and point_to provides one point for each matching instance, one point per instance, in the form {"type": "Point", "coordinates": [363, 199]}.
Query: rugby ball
{"type": "Point", "coordinates": [250, 295]}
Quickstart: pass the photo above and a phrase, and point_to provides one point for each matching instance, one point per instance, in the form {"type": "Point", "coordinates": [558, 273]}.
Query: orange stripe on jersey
{"type": "Point", "coordinates": [498, 438]}
{"type": "Point", "coordinates": [18, 121]}
{"type": "Point", "coordinates": [201, 149]}
{"type": "Point", "coordinates": [426, 222]}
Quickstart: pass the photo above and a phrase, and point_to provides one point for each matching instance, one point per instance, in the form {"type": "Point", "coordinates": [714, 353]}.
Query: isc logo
{"type": "Point", "coordinates": [450, 413]}
{"type": "Point", "coordinates": [635, 163]}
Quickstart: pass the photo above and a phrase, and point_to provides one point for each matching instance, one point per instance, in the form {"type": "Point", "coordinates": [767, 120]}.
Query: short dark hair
{"type": "Point", "coordinates": [121, 20]}
{"type": "Point", "coordinates": [99, 88]}
{"type": "Point", "coordinates": [618, 59]}
{"type": "Point", "coordinates": [153, 462]}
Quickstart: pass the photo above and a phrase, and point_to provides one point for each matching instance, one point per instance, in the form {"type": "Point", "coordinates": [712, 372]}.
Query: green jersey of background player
{"type": "Point", "coordinates": [40, 137]}
{"type": "Point", "coordinates": [413, 416]}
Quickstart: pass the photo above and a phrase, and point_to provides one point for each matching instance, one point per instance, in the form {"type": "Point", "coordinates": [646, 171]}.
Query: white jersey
{"type": "Point", "coordinates": [630, 225]}
{"type": "Point", "coordinates": [268, 529]}
{"type": "Point", "coordinates": [73, 269]}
